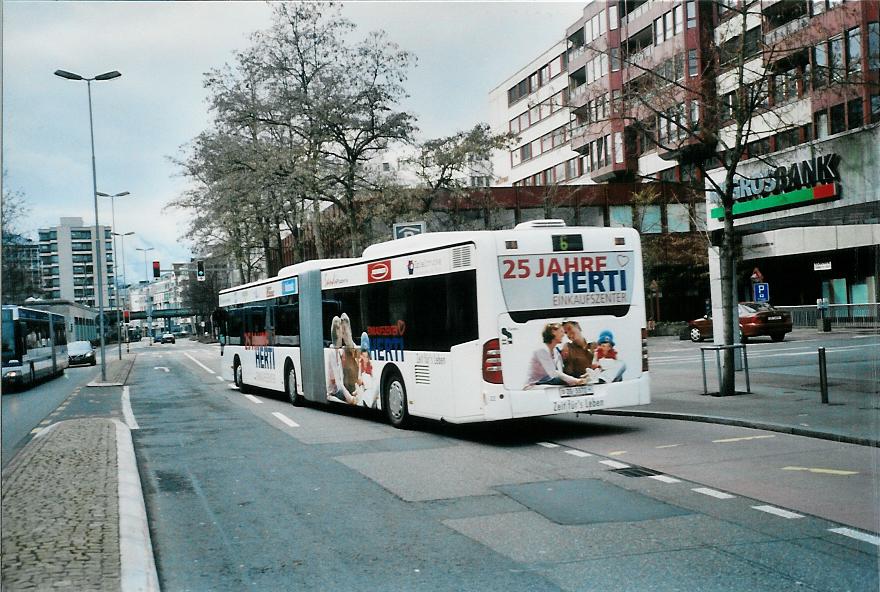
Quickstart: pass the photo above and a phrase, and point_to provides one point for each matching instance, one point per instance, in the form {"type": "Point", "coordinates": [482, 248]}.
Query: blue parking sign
{"type": "Point", "coordinates": [761, 292]}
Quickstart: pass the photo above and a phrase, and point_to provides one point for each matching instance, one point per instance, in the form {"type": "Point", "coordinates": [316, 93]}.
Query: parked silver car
{"type": "Point", "coordinates": [81, 352]}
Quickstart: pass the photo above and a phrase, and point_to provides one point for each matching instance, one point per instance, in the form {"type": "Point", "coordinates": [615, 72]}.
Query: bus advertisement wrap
{"type": "Point", "coordinates": [560, 281]}
{"type": "Point", "coordinates": [572, 356]}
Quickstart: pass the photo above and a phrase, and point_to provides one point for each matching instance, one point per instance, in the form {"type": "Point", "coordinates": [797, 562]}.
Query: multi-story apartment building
{"type": "Point", "coordinates": [167, 293]}
{"type": "Point", "coordinates": [653, 87]}
{"type": "Point", "coordinates": [69, 260]}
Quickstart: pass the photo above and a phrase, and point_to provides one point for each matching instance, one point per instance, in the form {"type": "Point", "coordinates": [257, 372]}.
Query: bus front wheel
{"type": "Point", "coordinates": [396, 407]}
{"type": "Point", "coordinates": [238, 376]}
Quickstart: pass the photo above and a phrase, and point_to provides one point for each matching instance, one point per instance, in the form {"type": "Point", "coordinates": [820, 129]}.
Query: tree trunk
{"type": "Point", "coordinates": [316, 229]}
{"type": "Point", "coordinates": [728, 306]}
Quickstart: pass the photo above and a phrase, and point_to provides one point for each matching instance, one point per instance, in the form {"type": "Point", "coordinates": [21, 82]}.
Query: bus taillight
{"type": "Point", "coordinates": [492, 362]}
{"type": "Point", "coordinates": [644, 349]}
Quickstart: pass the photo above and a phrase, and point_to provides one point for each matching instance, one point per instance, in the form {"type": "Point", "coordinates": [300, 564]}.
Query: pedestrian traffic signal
{"type": "Point", "coordinates": [156, 271]}
{"type": "Point", "coordinates": [200, 271]}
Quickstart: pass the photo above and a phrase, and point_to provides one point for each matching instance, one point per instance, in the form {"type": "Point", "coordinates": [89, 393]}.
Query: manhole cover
{"type": "Point", "coordinates": [636, 472]}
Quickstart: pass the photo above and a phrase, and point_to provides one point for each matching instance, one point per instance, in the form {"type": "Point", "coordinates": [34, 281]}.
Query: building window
{"type": "Point", "coordinates": [658, 31]}
{"type": "Point", "coordinates": [838, 119]}
{"type": "Point", "coordinates": [854, 50]}
{"type": "Point", "coordinates": [612, 17]}
{"type": "Point", "coordinates": [875, 108]}
{"type": "Point", "coordinates": [691, 15]}
{"type": "Point", "coordinates": [621, 216]}
{"type": "Point", "coordinates": [820, 65]}
{"type": "Point", "coordinates": [874, 46]}
{"type": "Point", "coordinates": [855, 114]}
{"type": "Point", "coordinates": [787, 139]}
{"type": "Point", "coordinates": [678, 218]}
{"type": "Point", "coordinates": [615, 59]}
{"type": "Point", "coordinates": [836, 60]}
{"type": "Point", "coordinates": [692, 63]}
{"type": "Point", "coordinates": [821, 119]}
{"type": "Point", "coordinates": [651, 222]}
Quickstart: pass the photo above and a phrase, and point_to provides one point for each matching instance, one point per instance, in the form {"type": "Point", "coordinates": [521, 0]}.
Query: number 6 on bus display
{"type": "Point", "coordinates": [461, 327]}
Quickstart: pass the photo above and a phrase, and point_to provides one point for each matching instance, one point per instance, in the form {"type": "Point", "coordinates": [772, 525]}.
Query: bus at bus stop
{"type": "Point", "coordinates": [460, 327]}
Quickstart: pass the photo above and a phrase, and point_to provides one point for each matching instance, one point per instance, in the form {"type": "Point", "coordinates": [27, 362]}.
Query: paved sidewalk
{"type": "Point", "coordinates": [778, 402]}
{"type": "Point", "coordinates": [117, 371]}
{"type": "Point", "coordinates": [61, 512]}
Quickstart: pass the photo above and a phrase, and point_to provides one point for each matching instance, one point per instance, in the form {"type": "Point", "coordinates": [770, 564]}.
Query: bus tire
{"type": "Point", "coordinates": [296, 399]}
{"type": "Point", "coordinates": [238, 375]}
{"type": "Point", "coordinates": [394, 400]}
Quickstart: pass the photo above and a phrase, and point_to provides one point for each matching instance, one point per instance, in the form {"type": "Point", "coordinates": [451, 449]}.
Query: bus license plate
{"type": "Point", "coordinates": [576, 391]}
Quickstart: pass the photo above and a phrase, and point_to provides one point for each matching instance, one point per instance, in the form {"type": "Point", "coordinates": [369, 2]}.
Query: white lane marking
{"type": "Point", "coordinates": [821, 471]}
{"type": "Point", "coordinates": [165, 368]}
{"type": "Point", "coordinates": [548, 444]}
{"type": "Point", "coordinates": [578, 453]}
{"type": "Point", "coordinates": [668, 446]}
{"type": "Point", "coordinates": [665, 478]}
{"type": "Point", "coordinates": [253, 399]}
{"type": "Point", "coordinates": [617, 453]}
{"type": "Point", "coordinates": [614, 464]}
{"type": "Point", "coordinates": [713, 493]}
{"type": "Point", "coordinates": [855, 534]}
{"type": "Point", "coordinates": [136, 562]}
{"type": "Point", "coordinates": [219, 378]}
{"type": "Point", "coordinates": [199, 363]}
{"type": "Point", "coordinates": [742, 439]}
{"type": "Point", "coordinates": [286, 420]}
{"type": "Point", "coordinates": [777, 511]}
{"type": "Point", "coordinates": [127, 413]}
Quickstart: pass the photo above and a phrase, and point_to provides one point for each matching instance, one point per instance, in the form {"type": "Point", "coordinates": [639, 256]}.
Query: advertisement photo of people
{"type": "Point", "coordinates": [568, 358]}
{"type": "Point", "coordinates": [349, 367]}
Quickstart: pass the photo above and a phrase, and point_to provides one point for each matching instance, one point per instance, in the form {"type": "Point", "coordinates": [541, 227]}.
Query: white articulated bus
{"type": "Point", "coordinates": [455, 326]}
{"type": "Point", "coordinates": [34, 345]}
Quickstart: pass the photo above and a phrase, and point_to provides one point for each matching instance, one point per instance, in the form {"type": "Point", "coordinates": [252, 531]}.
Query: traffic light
{"type": "Point", "coordinates": [200, 271]}
{"type": "Point", "coordinates": [156, 271]}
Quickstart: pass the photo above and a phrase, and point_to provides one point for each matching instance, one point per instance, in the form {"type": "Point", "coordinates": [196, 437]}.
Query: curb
{"type": "Point", "coordinates": [121, 378]}
{"type": "Point", "coordinates": [136, 563]}
{"type": "Point", "coordinates": [743, 423]}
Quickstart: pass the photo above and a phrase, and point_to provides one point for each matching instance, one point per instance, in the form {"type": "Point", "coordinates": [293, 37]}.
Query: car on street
{"type": "Point", "coordinates": [168, 338]}
{"type": "Point", "coordinates": [81, 352]}
{"type": "Point", "coordinates": [756, 319]}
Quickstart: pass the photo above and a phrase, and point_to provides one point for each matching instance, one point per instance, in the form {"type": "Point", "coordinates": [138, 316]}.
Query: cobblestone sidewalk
{"type": "Point", "coordinates": [61, 510]}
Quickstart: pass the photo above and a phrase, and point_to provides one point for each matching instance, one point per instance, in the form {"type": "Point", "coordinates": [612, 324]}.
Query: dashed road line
{"type": "Point", "coordinates": [219, 378]}
{"type": "Point", "coordinates": [548, 444]}
{"type": "Point", "coordinates": [253, 399]}
{"type": "Point", "coordinates": [821, 471]}
{"type": "Point", "coordinates": [777, 512]}
{"type": "Point", "coordinates": [617, 453]}
{"type": "Point", "coordinates": [664, 478]}
{"type": "Point", "coordinates": [713, 493]}
{"type": "Point", "coordinates": [285, 420]}
{"type": "Point", "coordinates": [667, 446]}
{"type": "Point", "coordinates": [578, 453]}
{"type": "Point", "coordinates": [199, 363]}
{"type": "Point", "coordinates": [855, 534]}
{"type": "Point", "coordinates": [614, 464]}
{"type": "Point", "coordinates": [742, 439]}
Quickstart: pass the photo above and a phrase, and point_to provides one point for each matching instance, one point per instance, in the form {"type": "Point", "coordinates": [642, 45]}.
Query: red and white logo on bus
{"type": "Point", "coordinates": [379, 271]}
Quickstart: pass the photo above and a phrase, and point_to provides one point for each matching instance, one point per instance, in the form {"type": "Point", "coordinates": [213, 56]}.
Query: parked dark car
{"type": "Point", "coordinates": [756, 319]}
{"type": "Point", "coordinates": [80, 352]}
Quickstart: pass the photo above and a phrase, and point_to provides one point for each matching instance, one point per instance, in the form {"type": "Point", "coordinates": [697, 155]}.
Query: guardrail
{"type": "Point", "coordinates": [856, 316]}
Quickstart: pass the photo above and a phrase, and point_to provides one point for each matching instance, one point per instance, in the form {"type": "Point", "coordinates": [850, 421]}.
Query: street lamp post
{"type": "Point", "coordinates": [98, 239]}
{"type": "Point", "coordinates": [115, 263]}
{"type": "Point", "coordinates": [124, 282]}
{"type": "Point", "coordinates": [148, 306]}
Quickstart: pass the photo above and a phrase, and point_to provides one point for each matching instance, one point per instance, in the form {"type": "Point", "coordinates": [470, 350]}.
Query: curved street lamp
{"type": "Point", "coordinates": [98, 239]}
{"type": "Point", "coordinates": [124, 280]}
{"type": "Point", "coordinates": [148, 305]}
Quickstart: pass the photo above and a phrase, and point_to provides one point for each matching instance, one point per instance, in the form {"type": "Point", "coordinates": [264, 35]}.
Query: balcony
{"type": "Point", "coordinates": [577, 95]}
{"type": "Point", "coordinates": [576, 52]}
{"type": "Point", "coordinates": [780, 33]}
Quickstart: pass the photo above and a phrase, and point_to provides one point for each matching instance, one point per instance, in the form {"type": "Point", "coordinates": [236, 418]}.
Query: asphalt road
{"type": "Point", "coordinates": [246, 492]}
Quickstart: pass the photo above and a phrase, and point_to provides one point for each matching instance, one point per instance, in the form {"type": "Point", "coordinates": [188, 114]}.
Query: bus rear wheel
{"type": "Point", "coordinates": [394, 398]}
{"type": "Point", "coordinates": [296, 399]}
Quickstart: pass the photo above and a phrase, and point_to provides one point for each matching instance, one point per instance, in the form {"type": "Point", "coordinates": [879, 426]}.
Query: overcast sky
{"type": "Point", "coordinates": [463, 49]}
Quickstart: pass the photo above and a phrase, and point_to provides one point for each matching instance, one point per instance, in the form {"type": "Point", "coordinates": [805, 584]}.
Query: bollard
{"type": "Point", "coordinates": [823, 376]}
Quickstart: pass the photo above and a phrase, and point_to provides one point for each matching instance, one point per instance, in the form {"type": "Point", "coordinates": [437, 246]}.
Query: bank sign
{"type": "Point", "coordinates": [800, 184]}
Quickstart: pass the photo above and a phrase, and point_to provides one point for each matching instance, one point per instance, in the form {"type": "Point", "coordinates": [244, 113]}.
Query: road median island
{"type": "Point", "coordinates": [117, 372]}
{"type": "Point", "coordinates": [62, 502]}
